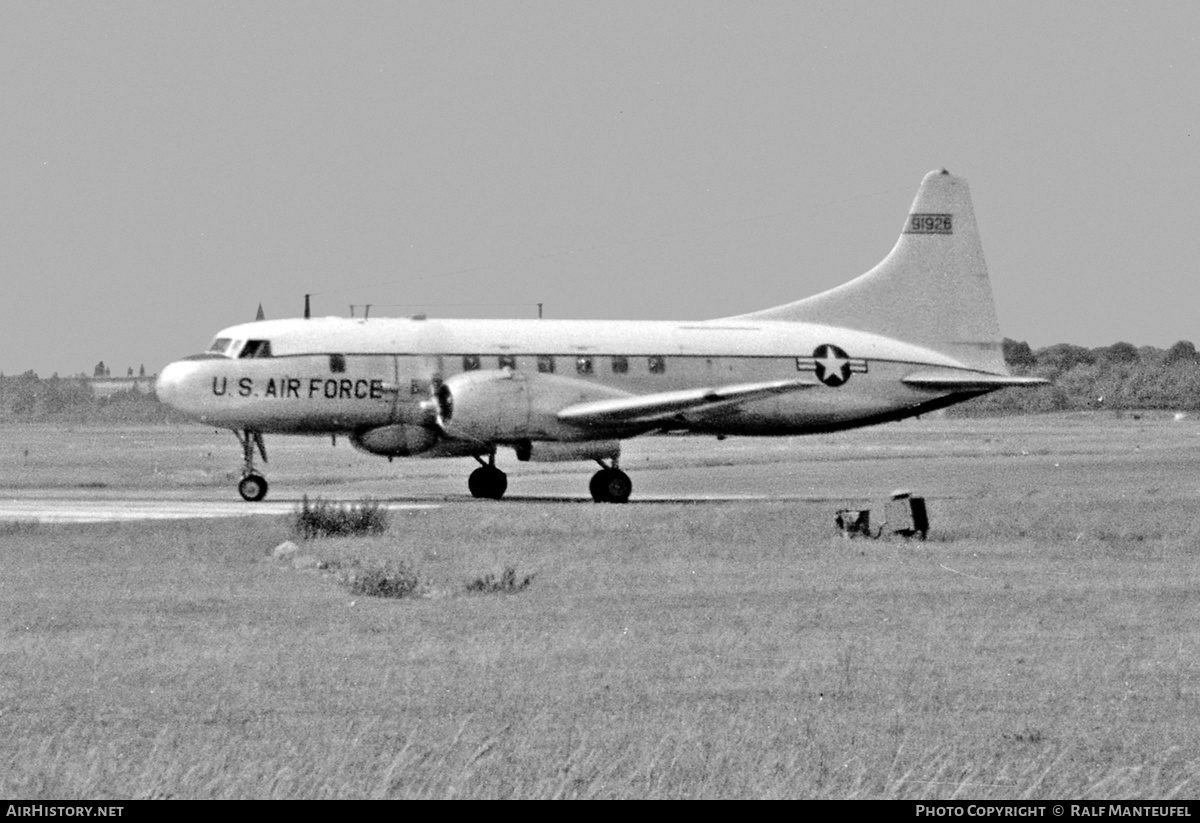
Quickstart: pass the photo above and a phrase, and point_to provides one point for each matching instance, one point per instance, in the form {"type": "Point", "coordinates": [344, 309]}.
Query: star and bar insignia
{"type": "Point", "coordinates": [832, 365]}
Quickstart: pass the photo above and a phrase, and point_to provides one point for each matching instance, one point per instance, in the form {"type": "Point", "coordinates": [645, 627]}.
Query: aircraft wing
{"type": "Point", "coordinates": [652, 408]}
{"type": "Point", "coordinates": [955, 380]}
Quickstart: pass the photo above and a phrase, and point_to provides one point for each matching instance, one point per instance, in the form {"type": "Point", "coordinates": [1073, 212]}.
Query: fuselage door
{"type": "Point", "coordinates": [418, 377]}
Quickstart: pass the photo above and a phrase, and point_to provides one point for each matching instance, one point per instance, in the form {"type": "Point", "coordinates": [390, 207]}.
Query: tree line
{"type": "Point", "coordinates": [1119, 377]}
{"type": "Point", "coordinates": [26, 397]}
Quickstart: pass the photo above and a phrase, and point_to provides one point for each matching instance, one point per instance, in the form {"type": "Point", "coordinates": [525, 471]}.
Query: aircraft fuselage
{"type": "Point", "coordinates": [337, 375]}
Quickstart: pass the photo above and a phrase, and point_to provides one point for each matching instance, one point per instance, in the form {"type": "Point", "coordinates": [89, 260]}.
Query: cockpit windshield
{"type": "Point", "coordinates": [256, 348]}
{"type": "Point", "coordinates": [220, 346]}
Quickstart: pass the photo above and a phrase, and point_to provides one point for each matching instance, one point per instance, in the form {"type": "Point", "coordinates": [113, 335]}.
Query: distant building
{"type": "Point", "coordinates": [108, 386]}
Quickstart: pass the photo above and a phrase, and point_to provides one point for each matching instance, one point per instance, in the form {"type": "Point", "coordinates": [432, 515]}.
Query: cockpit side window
{"type": "Point", "coordinates": [220, 345]}
{"type": "Point", "coordinates": [256, 348]}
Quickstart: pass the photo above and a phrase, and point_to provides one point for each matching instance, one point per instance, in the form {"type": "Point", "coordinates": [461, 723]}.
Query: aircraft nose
{"type": "Point", "coordinates": [170, 388]}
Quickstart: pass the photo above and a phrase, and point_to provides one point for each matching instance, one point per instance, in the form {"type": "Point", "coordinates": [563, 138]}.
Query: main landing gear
{"type": "Point", "coordinates": [487, 481]}
{"type": "Point", "coordinates": [610, 484]}
{"type": "Point", "coordinates": [253, 486]}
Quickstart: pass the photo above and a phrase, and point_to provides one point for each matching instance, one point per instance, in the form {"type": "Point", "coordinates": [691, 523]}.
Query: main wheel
{"type": "Point", "coordinates": [488, 482]}
{"type": "Point", "coordinates": [610, 486]}
{"type": "Point", "coordinates": [253, 488]}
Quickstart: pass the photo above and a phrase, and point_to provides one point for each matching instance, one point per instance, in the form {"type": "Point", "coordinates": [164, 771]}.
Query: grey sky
{"type": "Point", "coordinates": [168, 167]}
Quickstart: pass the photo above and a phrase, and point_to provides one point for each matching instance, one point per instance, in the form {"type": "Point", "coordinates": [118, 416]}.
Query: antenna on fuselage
{"type": "Point", "coordinates": [260, 315]}
{"type": "Point", "coordinates": [307, 314]}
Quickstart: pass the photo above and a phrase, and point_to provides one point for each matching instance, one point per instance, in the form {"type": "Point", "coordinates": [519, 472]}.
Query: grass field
{"type": "Point", "coordinates": [1041, 644]}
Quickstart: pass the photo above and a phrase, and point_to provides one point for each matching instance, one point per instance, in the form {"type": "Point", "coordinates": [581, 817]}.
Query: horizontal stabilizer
{"type": "Point", "coordinates": [954, 380]}
{"type": "Point", "coordinates": [651, 408]}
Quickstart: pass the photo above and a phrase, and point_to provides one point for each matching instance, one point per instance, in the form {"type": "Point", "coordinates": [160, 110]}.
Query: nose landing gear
{"type": "Point", "coordinates": [253, 486]}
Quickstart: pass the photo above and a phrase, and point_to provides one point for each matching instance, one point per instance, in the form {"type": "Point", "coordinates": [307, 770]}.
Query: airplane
{"type": "Point", "coordinates": [916, 333]}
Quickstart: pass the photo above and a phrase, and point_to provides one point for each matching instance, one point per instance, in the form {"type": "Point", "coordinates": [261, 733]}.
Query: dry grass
{"type": "Point", "coordinates": [1040, 645]}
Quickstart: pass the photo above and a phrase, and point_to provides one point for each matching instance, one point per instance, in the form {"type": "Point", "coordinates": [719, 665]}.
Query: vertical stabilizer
{"type": "Point", "coordinates": [932, 289]}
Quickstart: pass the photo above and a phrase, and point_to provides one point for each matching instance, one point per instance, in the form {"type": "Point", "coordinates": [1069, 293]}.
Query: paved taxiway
{"type": "Point", "coordinates": [74, 510]}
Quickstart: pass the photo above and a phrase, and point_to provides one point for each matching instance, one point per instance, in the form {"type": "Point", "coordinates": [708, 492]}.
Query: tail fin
{"type": "Point", "coordinates": [932, 289]}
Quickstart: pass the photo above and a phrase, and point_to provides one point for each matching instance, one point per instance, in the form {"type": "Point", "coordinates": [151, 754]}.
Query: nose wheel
{"type": "Point", "coordinates": [253, 486]}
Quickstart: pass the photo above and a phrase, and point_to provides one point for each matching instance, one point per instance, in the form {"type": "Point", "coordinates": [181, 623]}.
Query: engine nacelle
{"type": "Point", "coordinates": [400, 440]}
{"type": "Point", "coordinates": [546, 451]}
{"type": "Point", "coordinates": [505, 406]}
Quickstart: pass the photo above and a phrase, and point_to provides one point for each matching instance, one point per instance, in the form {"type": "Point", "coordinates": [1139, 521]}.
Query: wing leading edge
{"type": "Point", "coordinates": [654, 408]}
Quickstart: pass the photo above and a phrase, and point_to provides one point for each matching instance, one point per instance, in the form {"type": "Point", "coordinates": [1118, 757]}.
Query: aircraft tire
{"type": "Point", "coordinates": [253, 488]}
{"type": "Point", "coordinates": [488, 482]}
{"type": "Point", "coordinates": [610, 486]}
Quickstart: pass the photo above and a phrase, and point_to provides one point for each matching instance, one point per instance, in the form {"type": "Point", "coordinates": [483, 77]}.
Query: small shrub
{"type": "Point", "coordinates": [1029, 734]}
{"type": "Point", "coordinates": [320, 518]}
{"type": "Point", "coordinates": [393, 580]}
{"type": "Point", "coordinates": [506, 584]}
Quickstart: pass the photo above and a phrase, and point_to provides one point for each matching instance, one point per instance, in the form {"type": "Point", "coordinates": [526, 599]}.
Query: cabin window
{"type": "Point", "coordinates": [506, 361]}
{"type": "Point", "coordinates": [620, 364]}
{"type": "Point", "coordinates": [657, 363]}
{"type": "Point", "coordinates": [546, 363]}
{"type": "Point", "coordinates": [220, 345]}
{"type": "Point", "coordinates": [256, 348]}
{"type": "Point", "coordinates": [583, 365]}
{"type": "Point", "coordinates": [337, 363]}
{"type": "Point", "coordinates": [470, 362]}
